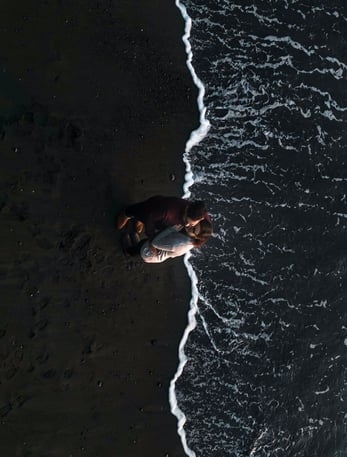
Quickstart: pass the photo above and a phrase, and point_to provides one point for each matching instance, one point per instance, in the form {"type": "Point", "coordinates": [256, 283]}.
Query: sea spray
{"type": "Point", "coordinates": [195, 137]}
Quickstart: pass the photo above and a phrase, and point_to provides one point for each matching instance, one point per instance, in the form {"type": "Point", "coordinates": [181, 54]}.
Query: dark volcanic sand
{"type": "Point", "coordinates": [96, 104]}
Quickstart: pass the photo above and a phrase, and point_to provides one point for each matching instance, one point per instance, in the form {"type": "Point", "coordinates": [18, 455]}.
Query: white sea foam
{"type": "Point", "coordinates": [198, 134]}
{"type": "Point", "coordinates": [175, 409]}
{"type": "Point", "coordinates": [195, 137]}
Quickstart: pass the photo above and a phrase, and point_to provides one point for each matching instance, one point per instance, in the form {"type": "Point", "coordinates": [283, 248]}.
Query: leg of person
{"type": "Point", "coordinates": [135, 249]}
{"type": "Point", "coordinates": [132, 211]}
{"type": "Point", "coordinates": [122, 220]}
{"type": "Point", "coordinates": [131, 244]}
{"type": "Point", "coordinates": [139, 226]}
{"type": "Point", "coordinates": [138, 211]}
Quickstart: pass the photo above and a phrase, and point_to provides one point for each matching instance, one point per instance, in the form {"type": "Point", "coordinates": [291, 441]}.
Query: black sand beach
{"type": "Point", "coordinates": [96, 104]}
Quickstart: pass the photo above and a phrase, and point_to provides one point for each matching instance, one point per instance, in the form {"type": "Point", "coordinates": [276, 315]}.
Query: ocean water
{"type": "Point", "coordinates": [262, 369]}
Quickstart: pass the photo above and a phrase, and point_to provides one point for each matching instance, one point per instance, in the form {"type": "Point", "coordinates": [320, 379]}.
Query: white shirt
{"type": "Point", "coordinates": [169, 243]}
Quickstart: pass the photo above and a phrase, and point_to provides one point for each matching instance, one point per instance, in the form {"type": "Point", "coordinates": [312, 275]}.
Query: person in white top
{"type": "Point", "coordinates": [175, 241]}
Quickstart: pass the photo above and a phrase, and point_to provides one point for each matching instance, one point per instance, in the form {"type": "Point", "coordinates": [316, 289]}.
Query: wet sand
{"type": "Point", "coordinates": [96, 104]}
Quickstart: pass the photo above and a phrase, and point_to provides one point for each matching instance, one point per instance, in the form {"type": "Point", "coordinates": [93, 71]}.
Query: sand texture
{"type": "Point", "coordinates": [96, 104]}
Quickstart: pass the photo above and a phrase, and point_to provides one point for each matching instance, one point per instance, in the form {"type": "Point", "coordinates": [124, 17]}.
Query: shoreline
{"type": "Point", "coordinates": [98, 104]}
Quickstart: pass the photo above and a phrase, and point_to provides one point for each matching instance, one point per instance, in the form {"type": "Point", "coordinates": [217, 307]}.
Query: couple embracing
{"type": "Point", "coordinates": [173, 226]}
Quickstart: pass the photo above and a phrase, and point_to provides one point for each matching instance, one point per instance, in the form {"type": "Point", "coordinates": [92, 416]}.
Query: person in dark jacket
{"type": "Point", "coordinates": [158, 213]}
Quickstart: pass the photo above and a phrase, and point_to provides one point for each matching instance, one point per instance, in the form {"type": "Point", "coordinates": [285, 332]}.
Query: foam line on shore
{"type": "Point", "coordinates": [195, 137]}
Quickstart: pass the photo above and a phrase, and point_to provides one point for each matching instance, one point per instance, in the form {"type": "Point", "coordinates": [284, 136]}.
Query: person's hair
{"type": "Point", "coordinates": [204, 234]}
{"type": "Point", "coordinates": [196, 210]}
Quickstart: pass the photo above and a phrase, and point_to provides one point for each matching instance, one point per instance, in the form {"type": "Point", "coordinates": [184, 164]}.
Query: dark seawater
{"type": "Point", "coordinates": [266, 372]}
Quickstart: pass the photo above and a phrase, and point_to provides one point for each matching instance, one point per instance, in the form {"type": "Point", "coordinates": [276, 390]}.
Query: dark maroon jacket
{"type": "Point", "coordinates": [163, 212]}
{"type": "Point", "coordinates": [159, 212]}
